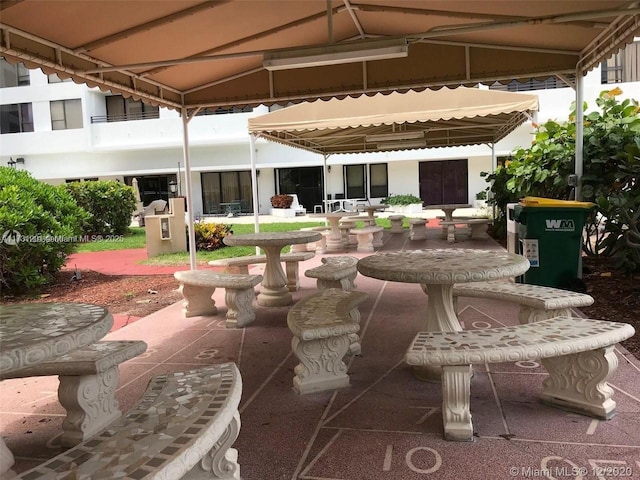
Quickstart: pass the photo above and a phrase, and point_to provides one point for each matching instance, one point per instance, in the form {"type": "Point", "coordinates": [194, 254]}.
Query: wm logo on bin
{"type": "Point", "coordinates": [559, 225]}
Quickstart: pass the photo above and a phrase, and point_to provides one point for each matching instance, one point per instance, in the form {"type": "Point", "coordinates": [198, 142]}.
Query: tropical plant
{"type": "Point", "coordinates": [40, 225]}
{"type": "Point", "coordinates": [405, 199]}
{"type": "Point", "coordinates": [110, 204]}
{"type": "Point", "coordinates": [209, 235]}
{"type": "Point", "coordinates": [611, 179]}
{"type": "Point", "coordinates": [281, 201]}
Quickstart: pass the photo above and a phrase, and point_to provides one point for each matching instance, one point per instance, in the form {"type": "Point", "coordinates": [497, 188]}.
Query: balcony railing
{"type": "Point", "coordinates": [125, 117]}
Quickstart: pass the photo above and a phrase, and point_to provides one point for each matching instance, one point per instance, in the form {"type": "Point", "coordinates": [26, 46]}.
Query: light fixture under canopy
{"type": "Point", "coordinates": [335, 54]}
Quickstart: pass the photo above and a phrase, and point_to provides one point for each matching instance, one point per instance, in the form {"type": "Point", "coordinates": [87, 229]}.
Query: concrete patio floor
{"type": "Point", "coordinates": [387, 425]}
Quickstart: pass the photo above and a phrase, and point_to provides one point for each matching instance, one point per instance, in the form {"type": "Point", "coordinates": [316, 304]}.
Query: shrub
{"type": "Point", "coordinates": [281, 201]}
{"type": "Point", "coordinates": [40, 225]}
{"type": "Point", "coordinates": [209, 235]}
{"type": "Point", "coordinates": [110, 204]}
{"type": "Point", "coordinates": [401, 200]}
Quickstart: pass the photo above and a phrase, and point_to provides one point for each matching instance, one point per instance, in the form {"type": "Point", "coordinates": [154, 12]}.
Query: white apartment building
{"type": "Point", "coordinates": [63, 132]}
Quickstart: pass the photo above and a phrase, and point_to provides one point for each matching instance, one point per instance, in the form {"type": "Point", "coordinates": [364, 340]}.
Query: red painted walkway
{"type": "Point", "coordinates": [387, 425]}
{"type": "Point", "coordinates": [119, 262]}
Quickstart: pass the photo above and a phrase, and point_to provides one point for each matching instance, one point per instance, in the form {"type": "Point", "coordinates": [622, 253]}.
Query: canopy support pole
{"type": "Point", "coordinates": [187, 181]}
{"type": "Point", "coordinates": [494, 167]}
{"type": "Point", "coordinates": [579, 160]}
{"type": "Point", "coordinates": [324, 181]}
{"type": "Point", "coordinates": [254, 186]}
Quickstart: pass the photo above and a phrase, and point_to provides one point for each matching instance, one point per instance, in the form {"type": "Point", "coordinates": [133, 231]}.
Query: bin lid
{"type": "Point", "coordinates": [552, 202]}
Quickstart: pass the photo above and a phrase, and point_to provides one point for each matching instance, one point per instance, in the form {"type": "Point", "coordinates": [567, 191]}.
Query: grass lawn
{"type": "Point", "coordinates": [182, 258]}
{"type": "Point", "coordinates": [136, 238]}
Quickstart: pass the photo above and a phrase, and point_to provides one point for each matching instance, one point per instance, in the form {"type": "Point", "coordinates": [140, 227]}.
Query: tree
{"type": "Point", "coordinates": [611, 171]}
{"type": "Point", "coordinates": [40, 225]}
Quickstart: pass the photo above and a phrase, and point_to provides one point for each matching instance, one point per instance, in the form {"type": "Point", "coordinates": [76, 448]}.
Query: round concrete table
{"type": "Point", "coordinates": [447, 209]}
{"type": "Point", "coordinates": [436, 271]}
{"type": "Point", "coordinates": [371, 209]}
{"type": "Point", "coordinates": [39, 332]}
{"type": "Point", "coordinates": [334, 239]}
{"type": "Point", "coordinates": [274, 292]}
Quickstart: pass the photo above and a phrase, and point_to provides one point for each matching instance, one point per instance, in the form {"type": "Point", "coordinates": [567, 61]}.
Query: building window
{"type": "Point", "coordinates": [120, 109]}
{"type": "Point", "coordinates": [219, 188]}
{"type": "Point", "coordinates": [66, 114]}
{"type": "Point", "coordinates": [16, 118]}
{"type": "Point", "coordinates": [13, 75]}
{"type": "Point", "coordinates": [516, 86]}
{"type": "Point", "coordinates": [355, 181]}
{"type": "Point", "coordinates": [624, 66]}
{"type": "Point", "coordinates": [379, 180]}
{"type": "Point", "coordinates": [76, 180]}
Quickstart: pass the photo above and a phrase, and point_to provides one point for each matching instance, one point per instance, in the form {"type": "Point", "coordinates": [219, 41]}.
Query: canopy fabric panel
{"type": "Point", "coordinates": [197, 53]}
{"type": "Point", "coordinates": [442, 118]}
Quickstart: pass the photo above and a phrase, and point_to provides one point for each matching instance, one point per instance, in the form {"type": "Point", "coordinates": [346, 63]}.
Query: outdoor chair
{"type": "Point", "coordinates": [245, 207]}
{"type": "Point", "coordinates": [234, 208]}
{"type": "Point", "coordinates": [212, 208]}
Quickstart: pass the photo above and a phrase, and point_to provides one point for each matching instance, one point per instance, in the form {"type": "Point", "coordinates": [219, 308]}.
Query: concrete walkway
{"type": "Point", "coordinates": [387, 425]}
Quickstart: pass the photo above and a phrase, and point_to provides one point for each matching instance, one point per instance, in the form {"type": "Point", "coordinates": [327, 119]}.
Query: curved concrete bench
{"type": "Point", "coordinates": [184, 424]}
{"type": "Point", "coordinates": [291, 262]}
{"type": "Point", "coordinates": [396, 223]}
{"type": "Point", "coordinates": [324, 327]}
{"type": "Point", "coordinates": [476, 228]}
{"type": "Point", "coordinates": [418, 228]}
{"type": "Point", "coordinates": [335, 272]}
{"type": "Point", "coordinates": [197, 287]}
{"type": "Point", "coordinates": [576, 352]}
{"type": "Point", "coordinates": [89, 378]}
{"type": "Point", "coordinates": [368, 238]}
{"type": "Point", "coordinates": [345, 230]}
{"type": "Point", "coordinates": [319, 246]}
{"type": "Point", "coordinates": [536, 302]}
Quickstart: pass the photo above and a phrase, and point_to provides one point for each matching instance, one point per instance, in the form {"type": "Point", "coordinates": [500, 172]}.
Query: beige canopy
{"type": "Point", "coordinates": [208, 53]}
{"type": "Point", "coordinates": [442, 118]}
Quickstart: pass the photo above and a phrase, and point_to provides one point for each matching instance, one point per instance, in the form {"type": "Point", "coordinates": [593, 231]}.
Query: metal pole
{"type": "Point", "coordinates": [179, 181]}
{"type": "Point", "coordinates": [579, 160]}
{"type": "Point", "coordinates": [187, 175]}
{"type": "Point", "coordinates": [254, 186]}
{"type": "Point", "coordinates": [494, 167]}
{"type": "Point", "coordinates": [254, 182]}
{"type": "Point", "coordinates": [324, 181]}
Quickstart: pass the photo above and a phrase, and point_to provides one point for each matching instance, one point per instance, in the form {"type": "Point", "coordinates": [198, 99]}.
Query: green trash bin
{"type": "Point", "coordinates": [550, 237]}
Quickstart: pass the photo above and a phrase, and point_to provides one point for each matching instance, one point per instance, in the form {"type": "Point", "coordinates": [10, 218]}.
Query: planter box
{"type": "Point", "coordinates": [407, 209]}
{"type": "Point", "coordinates": [283, 212]}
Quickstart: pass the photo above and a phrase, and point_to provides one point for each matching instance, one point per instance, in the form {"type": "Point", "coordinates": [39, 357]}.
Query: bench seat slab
{"type": "Point", "coordinates": [197, 287]}
{"type": "Point", "coordinates": [89, 378]}
{"type": "Point", "coordinates": [335, 272]}
{"type": "Point", "coordinates": [536, 302]}
{"type": "Point", "coordinates": [576, 352]}
{"type": "Point", "coordinates": [182, 428]}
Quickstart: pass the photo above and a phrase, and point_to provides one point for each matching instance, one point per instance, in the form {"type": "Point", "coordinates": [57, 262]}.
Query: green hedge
{"type": "Point", "coordinates": [110, 204]}
{"type": "Point", "coordinates": [39, 226]}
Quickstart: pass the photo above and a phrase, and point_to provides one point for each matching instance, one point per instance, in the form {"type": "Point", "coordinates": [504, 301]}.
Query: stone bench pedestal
{"type": "Point", "coordinates": [418, 228]}
{"type": "Point", "coordinates": [197, 287]}
{"type": "Point", "coordinates": [323, 326]}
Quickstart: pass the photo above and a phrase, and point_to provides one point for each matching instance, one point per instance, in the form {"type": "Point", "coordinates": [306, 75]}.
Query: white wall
{"type": "Point", "coordinates": [221, 142]}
